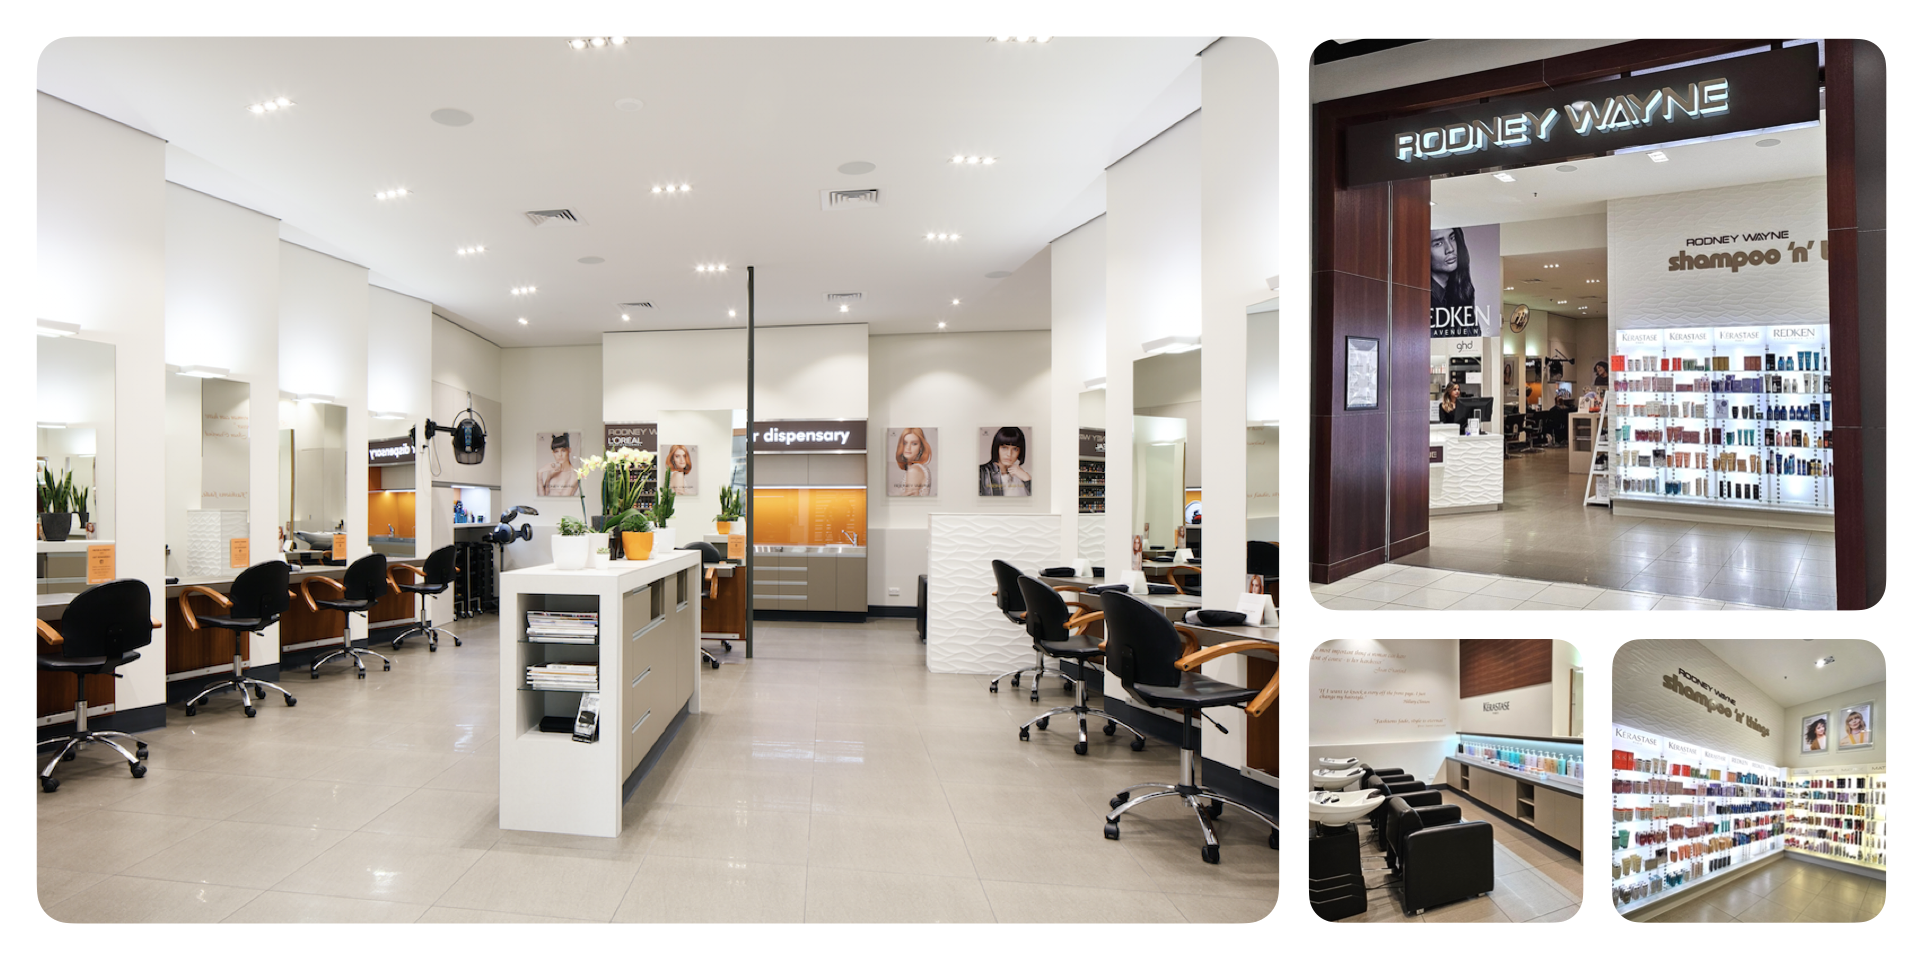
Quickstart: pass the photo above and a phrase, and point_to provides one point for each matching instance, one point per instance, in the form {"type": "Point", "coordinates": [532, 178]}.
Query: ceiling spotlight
{"type": "Point", "coordinates": [394, 194]}
{"type": "Point", "coordinates": [282, 102]}
{"type": "Point", "coordinates": [843, 308]}
{"type": "Point", "coordinates": [987, 161]}
{"type": "Point", "coordinates": [617, 41]}
{"type": "Point", "coordinates": [1559, 301]}
{"type": "Point", "coordinates": [686, 188]}
{"type": "Point", "coordinates": [523, 321]}
{"type": "Point", "coordinates": [1503, 177]}
{"type": "Point", "coordinates": [956, 301]}
{"type": "Point", "coordinates": [1549, 266]}
{"type": "Point", "coordinates": [269, 106]}
{"type": "Point", "coordinates": [959, 158]}
{"type": "Point", "coordinates": [973, 159]}
{"type": "Point", "coordinates": [943, 236]}
{"type": "Point", "coordinates": [577, 44]}
{"type": "Point", "coordinates": [656, 189]}
{"type": "Point", "coordinates": [598, 41]}
{"type": "Point", "coordinates": [730, 313]}
{"type": "Point", "coordinates": [1509, 288]}
{"type": "Point", "coordinates": [625, 317]}
{"type": "Point", "coordinates": [943, 324]}
{"type": "Point", "coordinates": [1823, 661]}
{"type": "Point", "coordinates": [929, 236]}
{"type": "Point", "coordinates": [256, 108]}
{"type": "Point", "coordinates": [1657, 156]}
{"type": "Point", "coordinates": [700, 268]}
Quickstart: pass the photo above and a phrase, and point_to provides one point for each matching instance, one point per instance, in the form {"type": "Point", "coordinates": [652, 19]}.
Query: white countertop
{"type": "Point", "coordinates": [620, 575]}
{"type": "Point", "coordinates": [66, 546]}
{"type": "Point", "coordinates": [1554, 780]}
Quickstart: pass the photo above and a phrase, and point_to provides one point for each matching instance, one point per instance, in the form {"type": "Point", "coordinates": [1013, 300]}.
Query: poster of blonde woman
{"type": "Point", "coordinates": [682, 478]}
{"type": "Point", "coordinates": [910, 470]}
{"type": "Point", "coordinates": [1856, 726]}
{"type": "Point", "coordinates": [553, 475]}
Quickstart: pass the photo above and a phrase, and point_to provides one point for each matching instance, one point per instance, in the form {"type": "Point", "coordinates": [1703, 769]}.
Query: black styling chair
{"type": "Point", "coordinates": [709, 554]}
{"type": "Point", "coordinates": [366, 582]}
{"type": "Point", "coordinates": [1013, 606]}
{"type": "Point", "coordinates": [429, 582]}
{"type": "Point", "coordinates": [98, 634]}
{"type": "Point", "coordinates": [256, 600]}
{"type": "Point", "coordinates": [1146, 651]}
{"type": "Point", "coordinates": [1441, 858]}
{"type": "Point", "coordinates": [1263, 558]}
{"type": "Point", "coordinates": [1051, 622]}
{"type": "Point", "coordinates": [1382, 815]}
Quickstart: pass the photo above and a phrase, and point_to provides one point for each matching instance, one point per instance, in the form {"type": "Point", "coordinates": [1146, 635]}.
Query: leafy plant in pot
{"type": "Point", "coordinates": [625, 475]}
{"type": "Point", "coordinates": [636, 534]}
{"type": "Point", "coordinates": [729, 510]}
{"type": "Point", "coordinates": [661, 513]}
{"type": "Point", "coordinates": [570, 545]}
{"type": "Point", "coordinates": [56, 504]}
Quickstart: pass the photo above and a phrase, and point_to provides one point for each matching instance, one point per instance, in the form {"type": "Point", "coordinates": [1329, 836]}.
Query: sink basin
{"type": "Point", "coordinates": [1336, 808]}
{"type": "Point", "coordinates": [1324, 779]}
{"type": "Point", "coordinates": [318, 541]}
{"type": "Point", "coordinates": [1341, 761]}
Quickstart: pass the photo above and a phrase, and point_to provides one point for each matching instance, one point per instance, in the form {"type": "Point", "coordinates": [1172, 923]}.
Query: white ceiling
{"type": "Point", "coordinates": [1538, 193]}
{"type": "Point", "coordinates": [1542, 280]}
{"type": "Point", "coordinates": [1784, 670]}
{"type": "Point", "coordinates": [756, 126]}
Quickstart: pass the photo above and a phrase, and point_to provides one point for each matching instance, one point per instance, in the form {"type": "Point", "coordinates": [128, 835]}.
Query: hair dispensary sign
{"type": "Point", "coordinates": [1701, 100]}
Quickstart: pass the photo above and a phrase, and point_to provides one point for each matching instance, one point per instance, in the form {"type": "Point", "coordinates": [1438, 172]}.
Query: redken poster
{"type": "Point", "coordinates": [1466, 282]}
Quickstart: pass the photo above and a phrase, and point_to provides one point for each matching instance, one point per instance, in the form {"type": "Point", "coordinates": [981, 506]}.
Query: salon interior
{"type": "Point", "coordinates": [681, 474]}
{"type": "Point", "coordinates": [1447, 781]}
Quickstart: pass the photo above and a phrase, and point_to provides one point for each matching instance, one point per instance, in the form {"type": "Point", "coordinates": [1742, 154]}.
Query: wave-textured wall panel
{"type": "Point", "coordinates": [1093, 539]}
{"type": "Point", "coordinates": [965, 631]}
{"type": "Point", "coordinates": [209, 533]}
{"type": "Point", "coordinates": [1644, 232]}
{"type": "Point", "coordinates": [1473, 474]}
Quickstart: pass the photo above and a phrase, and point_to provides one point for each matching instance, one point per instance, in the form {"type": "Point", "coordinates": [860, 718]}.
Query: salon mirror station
{"type": "Point", "coordinates": [1459, 760]}
{"type": "Point", "coordinates": [73, 468]}
{"type": "Point", "coordinates": [313, 479]}
{"type": "Point", "coordinates": [208, 436]}
{"type": "Point", "coordinates": [1167, 510]}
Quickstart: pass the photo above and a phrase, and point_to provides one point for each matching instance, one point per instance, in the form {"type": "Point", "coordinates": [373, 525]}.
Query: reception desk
{"type": "Point", "coordinates": [1466, 474]}
{"type": "Point", "coordinates": [1582, 429]}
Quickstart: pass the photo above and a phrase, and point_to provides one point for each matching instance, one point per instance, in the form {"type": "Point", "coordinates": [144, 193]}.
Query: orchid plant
{"type": "Point", "coordinates": [626, 474]}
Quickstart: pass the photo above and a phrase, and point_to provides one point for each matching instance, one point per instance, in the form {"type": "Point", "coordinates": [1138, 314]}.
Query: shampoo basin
{"type": "Point", "coordinates": [1341, 761]}
{"type": "Point", "coordinates": [1336, 808]}
{"type": "Point", "coordinates": [318, 541]}
{"type": "Point", "coordinates": [1337, 779]}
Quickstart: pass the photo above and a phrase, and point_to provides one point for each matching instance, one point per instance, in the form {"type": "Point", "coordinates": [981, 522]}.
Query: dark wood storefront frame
{"type": "Point", "coordinates": [1368, 468]}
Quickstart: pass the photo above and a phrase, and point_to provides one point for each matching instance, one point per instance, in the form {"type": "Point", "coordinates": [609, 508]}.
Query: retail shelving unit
{"type": "Point", "coordinates": [1093, 485]}
{"type": "Point", "coordinates": [1724, 416]}
{"type": "Point", "coordinates": [1683, 814]}
{"type": "Point", "coordinates": [1839, 814]}
{"type": "Point", "coordinates": [1537, 781]}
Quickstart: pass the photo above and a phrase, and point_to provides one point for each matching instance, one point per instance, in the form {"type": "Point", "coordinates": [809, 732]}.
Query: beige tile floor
{"type": "Point", "coordinates": [831, 779]}
{"type": "Point", "coordinates": [1533, 881]}
{"type": "Point", "coordinates": [1786, 891]}
{"type": "Point", "coordinates": [1547, 537]}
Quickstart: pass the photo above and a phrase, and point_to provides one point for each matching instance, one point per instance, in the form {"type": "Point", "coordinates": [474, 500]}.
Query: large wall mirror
{"type": "Point", "coordinates": [73, 444]}
{"type": "Point", "coordinates": [1263, 443]}
{"type": "Point", "coordinates": [1167, 505]}
{"type": "Point", "coordinates": [313, 452]}
{"type": "Point", "coordinates": [390, 488]}
{"type": "Point", "coordinates": [1091, 462]}
{"type": "Point", "coordinates": [208, 430]}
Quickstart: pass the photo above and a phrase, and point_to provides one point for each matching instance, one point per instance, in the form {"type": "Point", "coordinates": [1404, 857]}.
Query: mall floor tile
{"type": "Point", "coordinates": [831, 778]}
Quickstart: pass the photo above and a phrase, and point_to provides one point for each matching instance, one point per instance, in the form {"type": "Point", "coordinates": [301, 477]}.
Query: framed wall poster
{"type": "Point", "coordinates": [555, 463]}
{"type": "Point", "coordinates": [910, 468]}
{"type": "Point", "coordinates": [1856, 727]}
{"type": "Point", "coordinates": [1363, 373]}
{"type": "Point", "coordinates": [1813, 734]}
{"type": "Point", "coordinates": [681, 465]}
{"type": "Point", "coordinates": [1006, 458]}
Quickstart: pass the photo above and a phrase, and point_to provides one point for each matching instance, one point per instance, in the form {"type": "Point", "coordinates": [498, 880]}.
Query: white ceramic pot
{"type": "Point", "coordinates": [602, 561]}
{"type": "Point", "coordinates": [663, 541]}
{"type": "Point", "coordinates": [570, 553]}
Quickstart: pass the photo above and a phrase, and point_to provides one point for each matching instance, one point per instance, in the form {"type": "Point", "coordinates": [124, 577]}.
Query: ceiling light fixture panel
{"type": "Point", "coordinates": [710, 268]}
{"type": "Point", "coordinates": [1503, 177]}
{"type": "Point", "coordinates": [269, 106]}
{"type": "Point", "coordinates": [1658, 156]}
{"type": "Point", "coordinates": [394, 194]}
{"type": "Point", "coordinates": [674, 188]}
{"type": "Point", "coordinates": [943, 237]}
{"type": "Point", "coordinates": [582, 43]}
{"type": "Point", "coordinates": [474, 250]}
{"type": "Point", "coordinates": [523, 291]}
{"type": "Point", "coordinates": [966, 159]}
{"type": "Point", "coordinates": [1019, 39]}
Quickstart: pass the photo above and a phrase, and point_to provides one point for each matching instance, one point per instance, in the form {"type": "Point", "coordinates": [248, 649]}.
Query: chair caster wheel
{"type": "Point", "coordinates": [315, 675]}
{"type": "Point", "coordinates": [1216, 810]}
{"type": "Point", "coordinates": [139, 750]}
{"type": "Point", "coordinates": [192, 710]}
{"type": "Point", "coordinates": [1273, 840]}
{"type": "Point", "coordinates": [1109, 728]}
{"type": "Point", "coordinates": [397, 643]}
{"type": "Point", "coordinates": [290, 700]}
{"type": "Point", "coordinates": [1023, 733]}
{"type": "Point", "coordinates": [1066, 685]}
{"type": "Point", "coordinates": [251, 711]}
{"type": "Point", "coordinates": [49, 784]}
{"type": "Point", "coordinates": [137, 769]}
{"type": "Point", "coordinates": [456, 642]}
{"type": "Point", "coordinates": [432, 647]}
{"type": "Point", "coordinates": [1041, 723]}
{"type": "Point", "coordinates": [1112, 830]}
{"type": "Point", "coordinates": [363, 674]}
{"type": "Point", "coordinates": [1118, 799]}
{"type": "Point", "coordinates": [1033, 695]}
{"type": "Point", "coordinates": [1016, 681]}
{"type": "Point", "coordinates": [1080, 748]}
{"type": "Point", "coordinates": [72, 752]}
{"type": "Point", "coordinates": [724, 645]}
{"type": "Point", "coordinates": [1139, 744]}
{"type": "Point", "coordinates": [386, 666]}
{"type": "Point", "coordinates": [1210, 853]}
{"type": "Point", "coordinates": [993, 687]}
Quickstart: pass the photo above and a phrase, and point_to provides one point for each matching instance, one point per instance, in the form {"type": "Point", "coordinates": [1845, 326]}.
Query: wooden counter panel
{"type": "Point", "coordinates": [54, 690]}
{"type": "Point", "coordinates": [190, 649]}
{"type": "Point", "coordinates": [1263, 732]}
{"type": "Point", "coordinates": [397, 604]}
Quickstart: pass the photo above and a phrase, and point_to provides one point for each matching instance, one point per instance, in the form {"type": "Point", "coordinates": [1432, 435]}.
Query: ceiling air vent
{"type": "Point", "coordinates": [641, 305]}
{"type": "Point", "coordinates": [849, 199]}
{"type": "Point", "coordinates": [833, 298]}
{"type": "Point", "coordinates": [557, 218]}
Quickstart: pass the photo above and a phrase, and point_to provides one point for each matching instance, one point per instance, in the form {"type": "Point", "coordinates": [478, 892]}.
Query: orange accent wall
{"type": "Point", "coordinates": [395, 508]}
{"type": "Point", "coordinates": [812, 517]}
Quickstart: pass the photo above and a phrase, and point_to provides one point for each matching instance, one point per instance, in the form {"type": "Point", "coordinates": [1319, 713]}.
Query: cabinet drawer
{"type": "Point", "coordinates": [822, 575]}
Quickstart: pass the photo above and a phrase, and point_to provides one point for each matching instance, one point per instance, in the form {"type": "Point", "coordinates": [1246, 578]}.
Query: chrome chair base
{"type": "Point", "coordinates": [1039, 669]}
{"type": "Point", "coordinates": [260, 688]}
{"type": "Point", "coordinates": [70, 747]}
{"type": "Point", "coordinates": [1205, 804]}
{"type": "Point", "coordinates": [1081, 711]}
{"type": "Point", "coordinates": [356, 653]}
{"type": "Point", "coordinates": [431, 632]}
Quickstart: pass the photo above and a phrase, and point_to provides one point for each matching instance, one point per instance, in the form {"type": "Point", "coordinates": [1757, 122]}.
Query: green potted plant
{"type": "Point", "coordinates": [80, 495]}
{"type": "Point", "coordinates": [636, 534]}
{"type": "Point", "coordinates": [625, 474]}
{"type": "Point", "coordinates": [570, 545]}
{"type": "Point", "coordinates": [56, 504]}
{"type": "Point", "coordinates": [602, 557]}
{"type": "Point", "coordinates": [661, 513]}
{"type": "Point", "coordinates": [729, 510]}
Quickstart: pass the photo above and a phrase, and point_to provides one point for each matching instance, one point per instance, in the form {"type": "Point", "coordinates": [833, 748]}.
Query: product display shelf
{"type": "Point", "coordinates": [1683, 815]}
{"type": "Point", "coordinates": [1725, 416]}
{"type": "Point", "coordinates": [1093, 486]}
{"type": "Point", "coordinates": [1839, 816]}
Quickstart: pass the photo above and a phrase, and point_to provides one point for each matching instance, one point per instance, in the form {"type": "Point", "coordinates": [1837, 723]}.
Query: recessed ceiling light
{"type": "Point", "coordinates": [598, 41]}
{"type": "Point", "coordinates": [590, 261]}
{"type": "Point", "coordinates": [943, 324]}
{"type": "Point", "coordinates": [617, 41]}
{"type": "Point", "coordinates": [956, 301]}
{"type": "Point", "coordinates": [686, 188]}
{"type": "Point", "coordinates": [1768, 142]}
{"type": "Point", "coordinates": [1503, 177]}
{"type": "Point", "coordinates": [269, 106]}
{"type": "Point", "coordinates": [1566, 168]}
{"type": "Point", "coordinates": [394, 194]}
{"type": "Point", "coordinates": [1559, 301]}
{"type": "Point", "coordinates": [625, 317]}
{"type": "Point", "coordinates": [966, 159]}
{"type": "Point", "coordinates": [1550, 266]}
{"type": "Point", "coordinates": [1657, 156]}
{"type": "Point", "coordinates": [1823, 661]}
{"type": "Point", "coordinates": [471, 251]}
{"type": "Point", "coordinates": [522, 291]}
{"type": "Point", "coordinates": [730, 313]}
{"type": "Point", "coordinates": [1509, 288]}
{"type": "Point", "coordinates": [523, 321]}
{"type": "Point", "coordinates": [628, 104]}
{"type": "Point", "coordinates": [450, 117]}
{"type": "Point", "coordinates": [843, 308]}
{"type": "Point", "coordinates": [1018, 39]}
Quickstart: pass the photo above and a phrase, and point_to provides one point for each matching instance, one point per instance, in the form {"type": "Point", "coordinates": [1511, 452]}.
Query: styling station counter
{"type": "Point", "coordinates": [1467, 474]}
{"type": "Point", "coordinates": [630, 634]}
{"type": "Point", "coordinates": [816, 578]}
{"type": "Point", "coordinates": [1549, 803]}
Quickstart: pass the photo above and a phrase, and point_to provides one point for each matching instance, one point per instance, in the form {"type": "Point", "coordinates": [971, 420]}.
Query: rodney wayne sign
{"type": "Point", "coordinates": [1702, 100]}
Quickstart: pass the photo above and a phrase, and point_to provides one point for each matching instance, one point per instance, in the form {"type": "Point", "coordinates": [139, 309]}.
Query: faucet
{"type": "Point", "coordinates": [389, 529]}
{"type": "Point", "coordinates": [850, 537]}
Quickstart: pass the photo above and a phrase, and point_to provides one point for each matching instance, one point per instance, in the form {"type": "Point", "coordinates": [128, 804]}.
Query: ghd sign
{"type": "Point", "coordinates": [1720, 96]}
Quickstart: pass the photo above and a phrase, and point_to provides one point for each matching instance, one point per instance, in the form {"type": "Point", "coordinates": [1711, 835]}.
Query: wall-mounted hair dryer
{"type": "Point", "coordinates": [502, 532]}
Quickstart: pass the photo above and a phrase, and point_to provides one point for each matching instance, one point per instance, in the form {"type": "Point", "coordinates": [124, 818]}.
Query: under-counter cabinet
{"type": "Point", "coordinates": [632, 631]}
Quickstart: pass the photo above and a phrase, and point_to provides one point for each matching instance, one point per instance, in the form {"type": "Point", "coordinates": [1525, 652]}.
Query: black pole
{"type": "Point", "coordinates": [747, 629]}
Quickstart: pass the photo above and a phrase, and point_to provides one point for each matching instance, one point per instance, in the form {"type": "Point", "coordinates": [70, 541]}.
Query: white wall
{"type": "Point", "coordinates": [1641, 700]}
{"type": "Point", "coordinates": [645, 372]}
{"type": "Point", "coordinates": [546, 390]}
{"type": "Point", "coordinates": [1389, 702]}
{"type": "Point", "coordinates": [807, 373]}
{"type": "Point", "coordinates": [1644, 232]}
{"type": "Point", "coordinates": [101, 263]}
{"type": "Point", "coordinates": [1566, 659]}
{"type": "Point", "coordinates": [1078, 339]}
{"type": "Point", "coordinates": [956, 383]}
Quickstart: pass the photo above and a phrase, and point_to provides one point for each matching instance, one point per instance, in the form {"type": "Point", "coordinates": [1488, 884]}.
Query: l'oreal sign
{"type": "Point", "coordinates": [1720, 96]}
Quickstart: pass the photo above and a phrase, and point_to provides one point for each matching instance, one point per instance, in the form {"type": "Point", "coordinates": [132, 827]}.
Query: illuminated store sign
{"type": "Point", "coordinates": [385, 453]}
{"type": "Point", "coordinates": [810, 436]}
{"type": "Point", "coordinates": [1703, 100]}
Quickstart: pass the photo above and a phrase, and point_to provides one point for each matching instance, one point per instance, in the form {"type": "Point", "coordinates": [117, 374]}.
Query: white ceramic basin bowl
{"type": "Point", "coordinates": [1341, 761]}
{"type": "Point", "coordinates": [1337, 779]}
{"type": "Point", "coordinates": [1336, 808]}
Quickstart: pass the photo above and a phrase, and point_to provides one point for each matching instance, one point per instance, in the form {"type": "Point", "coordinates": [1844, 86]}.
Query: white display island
{"type": "Point", "coordinates": [1468, 474]}
{"type": "Point", "coordinates": [631, 633]}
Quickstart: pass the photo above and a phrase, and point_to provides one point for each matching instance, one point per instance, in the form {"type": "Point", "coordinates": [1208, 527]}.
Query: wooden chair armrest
{"type": "Point", "coordinates": [1192, 642]}
{"type": "Point", "coordinates": [1196, 658]}
{"type": "Point", "coordinates": [186, 610]}
{"type": "Point", "coordinates": [47, 632]}
{"type": "Point", "coordinates": [1269, 694]}
{"type": "Point", "coordinates": [419, 574]}
{"type": "Point", "coordinates": [1173, 577]}
{"type": "Point", "coordinates": [157, 625]}
{"type": "Point", "coordinates": [1081, 620]}
{"type": "Point", "coordinates": [713, 583]}
{"type": "Point", "coordinates": [1082, 607]}
{"type": "Point", "coordinates": [306, 590]}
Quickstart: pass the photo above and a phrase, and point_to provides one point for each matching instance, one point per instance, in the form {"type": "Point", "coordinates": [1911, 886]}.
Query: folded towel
{"type": "Point", "coordinates": [1099, 571]}
{"type": "Point", "coordinates": [1161, 559]}
{"type": "Point", "coordinates": [1161, 588]}
{"type": "Point", "coordinates": [1108, 588]}
{"type": "Point", "coordinates": [1216, 618]}
{"type": "Point", "coordinates": [1057, 572]}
